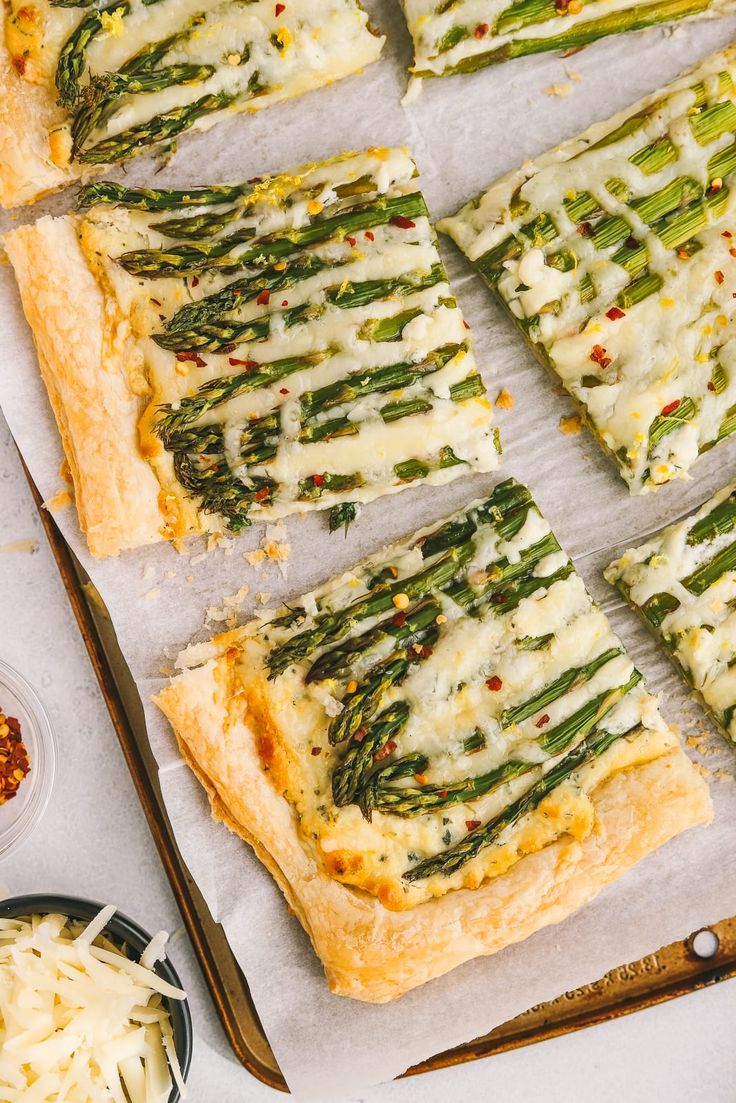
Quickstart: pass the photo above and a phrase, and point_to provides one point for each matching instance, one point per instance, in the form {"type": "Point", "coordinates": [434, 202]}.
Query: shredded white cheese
{"type": "Point", "coordinates": [80, 1021]}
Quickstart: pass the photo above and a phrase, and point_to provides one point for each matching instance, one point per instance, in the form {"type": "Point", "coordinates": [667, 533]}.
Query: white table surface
{"type": "Point", "coordinates": [94, 841]}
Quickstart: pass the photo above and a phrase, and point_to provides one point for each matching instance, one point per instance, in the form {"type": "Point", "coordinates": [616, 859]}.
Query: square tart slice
{"type": "Point", "coordinates": [465, 35]}
{"type": "Point", "coordinates": [683, 582]}
{"type": "Point", "coordinates": [446, 747]}
{"type": "Point", "coordinates": [614, 254]}
{"type": "Point", "coordinates": [243, 352]}
{"type": "Point", "coordinates": [84, 84]}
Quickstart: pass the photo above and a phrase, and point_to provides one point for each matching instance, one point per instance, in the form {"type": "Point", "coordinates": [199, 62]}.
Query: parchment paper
{"type": "Point", "coordinates": [463, 132]}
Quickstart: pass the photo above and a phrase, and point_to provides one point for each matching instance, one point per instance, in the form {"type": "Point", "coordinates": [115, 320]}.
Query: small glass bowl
{"type": "Point", "coordinates": [132, 940]}
{"type": "Point", "coordinates": [20, 815]}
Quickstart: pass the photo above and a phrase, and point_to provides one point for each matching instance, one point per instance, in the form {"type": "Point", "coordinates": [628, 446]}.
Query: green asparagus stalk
{"type": "Point", "coordinates": [161, 128]}
{"type": "Point", "coordinates": [159, 199]}
{"type": "Point", "coordinates": [717, 523]}
{"type": "Point", "coordinates": [218, 334]}
{"type": "Point", "coordinates": [73, 56]}
{"type": "Point", "coordinates": [99, 98]}
{"type": "Point", "coordinates": [333, 627]}
{"type": "Point", "coordinates": [154, 263]}
{"type": "Point", "coordinates": [704, 577]}
{"type": "Point", "coordinates": [349, 776]}
{"type": "Point", "coordinates": [568, 681]}
{"type": "Point", "coordinates": [217, 391]}
{"type": "Point", "coordinates": [454, 858]}
{"type": "Point", "coordinates": [578, 35]}
{"type": "Point", "coordinates": [377, 796]}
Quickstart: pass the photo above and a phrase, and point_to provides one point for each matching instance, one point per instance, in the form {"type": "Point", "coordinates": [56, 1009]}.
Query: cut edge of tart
{"type": "Point", "coordinates": [242, 352]}
{"type": "Point", "coordinates": [86, 86]}
{"type": "Point", "coordinates": [445, 747]}
{"type": "Point", "coordinates": [617, 247]}
{"type": "Point", "coordinates": [683, 583]}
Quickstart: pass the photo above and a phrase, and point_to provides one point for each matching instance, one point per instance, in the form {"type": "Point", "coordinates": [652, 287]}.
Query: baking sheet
{"type": "Point", "coordinates": [463, 132]}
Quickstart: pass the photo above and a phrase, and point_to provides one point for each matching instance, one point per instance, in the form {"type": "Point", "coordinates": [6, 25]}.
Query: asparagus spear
{"type": "Point", "coordinates": [154, 263]}
{"type": "Point", "coordinates": [159, 199]}
{"type": "Point", "coordinates": [566, 682]}
{"type": "Point", "coordinates": [349, 775]}
{"type": "Point", "coordinates": [159, 129]}
{"type": "Point", "coordinates": [718, 522]}
{"type": "Point", "coordinates": [454, 858]}
{"type": "Point", "coordinates": [217, 391]}
{"type": "Point", "coordinates": [99, 99]}
{"type": "Point", "coordinates": [218, 334]}
{"type": "Point", "coordinates": [579, 34]}
{"type": "Point", "coordinates": [72, 59]}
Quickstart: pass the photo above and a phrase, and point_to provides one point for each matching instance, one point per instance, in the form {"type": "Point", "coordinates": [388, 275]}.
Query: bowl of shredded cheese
{"type": "Point", "coordinates": [27, 759]}
{"type": "Point", "coordinates": [91, 1009]}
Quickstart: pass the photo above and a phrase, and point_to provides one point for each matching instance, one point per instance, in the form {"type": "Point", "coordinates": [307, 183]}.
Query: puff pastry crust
{"type": "Point", "coordinates": [251, 741]}
{"type": "Point", "coordinates": [164, 370]}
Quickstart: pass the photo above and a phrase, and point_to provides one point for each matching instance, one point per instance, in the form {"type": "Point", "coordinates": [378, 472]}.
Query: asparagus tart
{"type": "Point", "coordinates": [446, 748]}
{"type": "Point", "coordinates": [614, 254]}
{"type": "Point", "coordinates": [85, 83]}
{"type": "Point", "coordinates": [461, 36]}
{"type": "Point", "coordinates": [251, 350]}
{"type": "Point", "coordinates": [683, 582]}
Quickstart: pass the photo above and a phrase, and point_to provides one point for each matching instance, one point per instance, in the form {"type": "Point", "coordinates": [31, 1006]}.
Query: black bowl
{"type": "Point", "coordinates": [122, 931]}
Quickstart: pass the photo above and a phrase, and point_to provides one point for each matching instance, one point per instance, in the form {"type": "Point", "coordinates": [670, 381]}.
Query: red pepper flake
{"type": "Point", "coordinates": [235, 363]}
{"type": "Point", "coordinates": [261, 494]}
{"type": "Point", "coordinates": [283, 390]}
{"type": "Point", "coordinates": [732, 252]}
{"type": "Point", "coordinates": [494, 683]}
{"type": "Point", "coordinates": [584, 229]}
{"type": "Point", "coordinates": [598, 356]}
{"type": "Point", "coordinates": [279, 8]}
{"type": "Point", "coordinates": [615, 313]}
{"type": "Point", "coordinates": [718, 277]}
{"type": "Point", "coordinates": [370, 235]}
{"type": "Point", "coordinates": [318, 480]}
{"type": "Point", "coordinates": [442, 792]}
{"type": "Point", "coordinates": [683, 254]}
{"type": "Point", "coordinates": [14, 763]}
{"type": "Point", "coordinates": [481, 30]}
{"type": "Point", "coordinates": [711, 386]}
{"type": "Point", "coordinates": [402, 222]}
{"type": "Point", "coordinates": [466, 324]}
{"type": "Point", "coordinates": [726, 233]}
{"type": "Point", "coordinates": [670, 407]}
{"type": "Point", "coordinates": [542, 721]}
{"type": "Point", "coordinates": [351, 241]}
{"type": "Point", "coordinates": [384, 752]}
{"type": "Point", "coordinates": [263, 298]}
{"type": "Point", "coordinates": [425, 650]}
{"type": "Point", "coordinates": [195, 281]}
{"type": "Point", "coordinates": [284, 302]}
{"type": "Point", "coordinates": [399, 619]}
{"type": "Point", "coordinates": [360, 734]}
{"type": "Point", "coordinates": [156, 302]}
{"type": "Point", "coordinates": [184, 356]}
{"type": "Point", "coordinates": [316, 751]}
{"type": "Point", "coordinates": [472, 824]}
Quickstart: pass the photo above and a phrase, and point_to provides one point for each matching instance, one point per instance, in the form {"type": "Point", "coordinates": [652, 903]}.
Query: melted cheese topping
{"type": "Point", "coordinates": [466, 34]}
{"type": "Point", "coordinates": [615, 255]}
{"type": "Point", "coordinates": [366, 379]}
{"type": "Point", "coordinates": [249, 55]}
{"type": "Point", "coordinates": [525, 677]}
{"type": "Point", "coordinates": [684, 582]}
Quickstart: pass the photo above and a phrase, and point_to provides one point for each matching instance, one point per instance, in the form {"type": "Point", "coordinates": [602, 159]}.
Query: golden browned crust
{"type": "Point", "coordinates": [82, 343]}
{"type": "Point", "coordinates": [29, 115]}
{"type": "Point", "coordinates": [369, 952]}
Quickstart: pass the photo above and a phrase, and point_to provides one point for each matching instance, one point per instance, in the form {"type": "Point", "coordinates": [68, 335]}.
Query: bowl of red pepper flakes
{"type": "Point", "coordinates": [27, 759]}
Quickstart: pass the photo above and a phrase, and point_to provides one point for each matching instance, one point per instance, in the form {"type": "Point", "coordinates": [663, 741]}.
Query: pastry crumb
{"type": "Point", "coordinates": [505, 399]}
{"type": "Point", "coordinates": [256, 558]}
{"type": "Point", "coordinates": [573, 74]}
{"type": "Point", "coordinates": [570, 426]}
{"type": "Point", "coordinates": [61, 500]}
{"type": "Point", "coordinates": [563, 88]}
{"type": "Point", "coordinates": [153, 594]}
{"type": "Point", "coordinates": [263, 598]}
